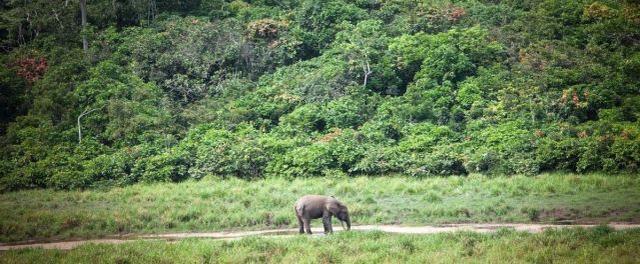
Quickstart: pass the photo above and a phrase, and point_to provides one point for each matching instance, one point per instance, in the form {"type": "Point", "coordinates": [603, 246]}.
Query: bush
{"type": "Point", "coordinates": [346, 112]}
{"type": "Point", "coordinates": [221, 152]}
{"type": "Point", "coordinates": [381, 160]}
{"type": "Point", "coordinates": [110, 169]}
{"type": "Point", "coordinates": [442, 160]}
{"type": "Point", "coordinates": [625, 151]}
{"type": "Point", "coordinates": [423, 137]}
{"type": "Point", "coordinates": [501, 149]}
{"type": "Point", "coordinates": [346, 147]}
{"type": "Point", "coordinates": [305, 161]}
{"type": "Point", "coordinates": [593, 146]}
{"type": "Point", "coordinates": [69, 179]}
{"type": "Point", "coordinates": [307, 118]}
{"type": "Point", "coordinates": [168, 166]}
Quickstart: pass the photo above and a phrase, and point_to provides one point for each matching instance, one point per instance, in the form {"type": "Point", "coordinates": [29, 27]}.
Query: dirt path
{"type": "Point", "coordinates": [481, 228]}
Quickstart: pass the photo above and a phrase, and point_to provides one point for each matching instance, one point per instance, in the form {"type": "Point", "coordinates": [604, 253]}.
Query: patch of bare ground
{"type": "Point", "coordinates": [563, 216]}
{"type": "Point", "coordinates": [280, 233]}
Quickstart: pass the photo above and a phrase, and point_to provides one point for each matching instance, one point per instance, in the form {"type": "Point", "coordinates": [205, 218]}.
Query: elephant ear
{"type": "Point", "coordinates": [334, 208]}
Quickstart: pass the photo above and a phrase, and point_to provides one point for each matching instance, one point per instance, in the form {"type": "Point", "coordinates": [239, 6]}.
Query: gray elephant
{"type": "Point", "coordinates": [319, 206]}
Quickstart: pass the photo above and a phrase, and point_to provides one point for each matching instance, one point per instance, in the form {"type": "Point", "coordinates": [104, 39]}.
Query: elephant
{"type": "Point", "coordinates": [319, 206]}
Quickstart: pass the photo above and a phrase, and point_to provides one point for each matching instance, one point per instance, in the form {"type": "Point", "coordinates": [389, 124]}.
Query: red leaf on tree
{"type": "Point", "coordinates": [31, 69]}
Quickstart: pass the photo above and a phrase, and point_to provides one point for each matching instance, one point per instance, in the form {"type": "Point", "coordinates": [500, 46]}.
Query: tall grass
{"type": "Point", "coordinates": [222, 204]}
{"type": "Point", "coordinates": [599, 245]}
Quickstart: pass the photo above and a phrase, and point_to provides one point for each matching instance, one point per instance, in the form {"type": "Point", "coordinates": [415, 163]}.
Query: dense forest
{"type": "Point", "coordinates": [106, 93]}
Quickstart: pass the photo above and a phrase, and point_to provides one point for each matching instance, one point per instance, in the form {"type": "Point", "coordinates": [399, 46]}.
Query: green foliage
{"type": "Point", "coordinates": [107, 169]}
{"type": "Point", "coordinates": [318, 22]}
{"type": "Point", "coordinates": [126, 108]}
{"type": "Point", "coordinates": [423, 136]}
{"type": "Point", "coordinates": [306, 118]}
{"type": "Point", "coordinates": [167, 166]}
{"type": "Point", "coordinates": [310, 160]}
{"type": "Point", "coordinates": [501, 149]}
{"type": "Point", "coordinates": [169, 91]}
{"type": "Point", "coordinates": [593, 146]}
{"type": "Point", "coordinates": [346, 112]}
{"type": "Point", "coordinates": [381, 160]}
{"type": "Point", "coordinates": [220, 152]}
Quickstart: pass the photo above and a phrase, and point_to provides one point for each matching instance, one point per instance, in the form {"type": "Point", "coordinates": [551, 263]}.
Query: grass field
{"type": "Point", "coordinates": [598, 245]}
{"type": "Point", "coordinates": [232, 204]}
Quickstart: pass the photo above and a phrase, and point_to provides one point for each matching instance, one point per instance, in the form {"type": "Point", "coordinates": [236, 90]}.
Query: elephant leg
{"type": "Point", "coordinates": [326, 222]}
{"type": "Point", "coordinates": [301, 224]}
{"type": "Point", "coordinates": [307, 225]}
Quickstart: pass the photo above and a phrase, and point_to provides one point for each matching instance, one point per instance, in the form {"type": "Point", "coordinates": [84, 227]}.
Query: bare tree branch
{"type": "Point", "coordinates": [84, 113]}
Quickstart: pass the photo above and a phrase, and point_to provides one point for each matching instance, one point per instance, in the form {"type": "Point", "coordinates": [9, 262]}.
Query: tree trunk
{"type": "Point", "coordinates": [366, 69]}
{"type": "Point", "coordinates": [84, 113]}
{"type": "Point", "coordinates": [79, 130]}
{"type": "Point", "coordinates": [83, 15]}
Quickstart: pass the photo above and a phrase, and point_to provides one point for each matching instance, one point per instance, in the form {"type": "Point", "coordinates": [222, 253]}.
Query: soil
{"type": "Point", "coordinates": [279, 233]}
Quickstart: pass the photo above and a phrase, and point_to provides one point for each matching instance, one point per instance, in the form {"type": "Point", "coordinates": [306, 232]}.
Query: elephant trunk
{"type": "Point", "coordinates": [348, 220]}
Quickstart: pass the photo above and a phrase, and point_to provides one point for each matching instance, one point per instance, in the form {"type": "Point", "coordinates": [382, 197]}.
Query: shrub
{"type": "Point", "coordinates": [168, 166]}
{"type": "Point", "coordinates": [346, 147]}
{"type": "Point", "coordinates": [307, 118]}
{"type": "Point", "coordinates": [305, 161]}
{"type": "Point", "coordinates": [442, 160]}
{"type": "Point", "coordinates": [502, 149]}
{"type": "Point", "coordinates": [625, 151]}
{"type": "Point", "coordinates": [381, 160]}
{"type": "Point", "coordinates": [345, 112]}
{"type": "Point", "coordinates": [423, 137]}
{"type": "Point", "coordinates": [221, 152]}
{"type": "Point", "coordinates": [110, 169]}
